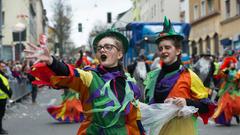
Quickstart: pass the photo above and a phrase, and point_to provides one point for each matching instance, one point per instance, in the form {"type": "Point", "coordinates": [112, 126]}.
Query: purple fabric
{"type": "Point", "coordinates": [221, 120]}
{"type": "Point", "coordinates": [127, 110]}
{"type": "Point", "coordinates": [106, 77]}
{"type": "Point", "coordinates": [111, 103]}
{"type": "Point", "coordinates": [152, 101]}
{"type": "Point", "coordinates": [135, 89]}
{"type": "Point", "coordinates": [89, 68]}
{"type": "Point", "coordinates": [81, 117]}
{"type": "Point", "coordinates": [170, 81]}
{"type": "Point", "coordinates": [206, 101]}
{"type": "Point", "coordinates": [110, 76]}
{"type": "Point", "coordinates": [94, 95]}
{"type": "Point", "coordinates": [165, 85]}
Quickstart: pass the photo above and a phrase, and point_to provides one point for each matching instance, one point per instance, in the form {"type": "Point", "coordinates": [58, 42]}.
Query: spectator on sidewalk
{"type": "Point", "coordinates": [5, 93]}
{"type": "Point", "coordinates": [34, 87]}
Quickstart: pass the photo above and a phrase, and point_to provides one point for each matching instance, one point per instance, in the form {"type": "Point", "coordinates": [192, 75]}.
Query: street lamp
{"type": "Point", "coordinates": [19, 28]}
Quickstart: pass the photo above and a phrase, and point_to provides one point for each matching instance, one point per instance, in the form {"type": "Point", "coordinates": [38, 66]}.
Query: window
{"type": "Point", "coordinates": [227, 7]}
{"type": "Point", "coordinates": [182, 16]}
{"type": "Point", "coordinates": [32, 21]}
{"type": "Point", "coordinates": [236, 45]}
{"type": "Point", "coordinates": [210, 6]}
{"type": "Point", "coordinates": [7, 52]}
{"type": "Point", "coordinates": [208, 47]}
{"type": "Point", "coordinates": [195, 12]}
{"type": "Point", "coordinates": [200, 46]}
{"type": "Point", "coordinates": [3, 18]}
{"type": "Point", "coordinates": [238, 7]}
{"type": "Point", "coordinates": [194, 48]}
{"type": "Point", "coordinates": [203, 8]}
{"type": "Point", "coordinates": [216, 44]}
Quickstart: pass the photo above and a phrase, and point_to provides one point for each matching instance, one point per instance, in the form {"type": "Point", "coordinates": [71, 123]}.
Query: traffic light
{"type": "Point", "coordinates": [109, 17]}
{"type": "Point", "coordinates": [80, 27]}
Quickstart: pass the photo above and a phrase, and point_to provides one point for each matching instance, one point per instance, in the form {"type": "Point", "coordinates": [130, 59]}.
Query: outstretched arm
{"type": "Point", "coordinates": [42, 55]}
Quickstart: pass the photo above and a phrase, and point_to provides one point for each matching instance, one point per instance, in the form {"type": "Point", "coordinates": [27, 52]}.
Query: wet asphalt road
{"type": "Point", "coordinates": [25, 118]}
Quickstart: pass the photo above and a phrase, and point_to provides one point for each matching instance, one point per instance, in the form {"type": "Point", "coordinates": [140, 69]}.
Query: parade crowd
{"type": "Point", "coordinates": [148, 96]}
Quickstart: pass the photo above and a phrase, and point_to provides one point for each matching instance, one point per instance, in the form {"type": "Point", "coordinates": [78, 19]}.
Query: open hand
{"type": "Point", "coordinates": [41, 54]}
{"type": "Point", "coordinates": [177, 101]}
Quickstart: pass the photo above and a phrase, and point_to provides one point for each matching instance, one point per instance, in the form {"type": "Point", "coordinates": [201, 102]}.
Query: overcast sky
{"type": "Point", "coordinates": [89, 12]}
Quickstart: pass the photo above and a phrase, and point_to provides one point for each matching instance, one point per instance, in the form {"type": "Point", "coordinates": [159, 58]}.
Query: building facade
{"type": "Point", "coordinates": [184, 11]}
{"type": "Point", "coordinates": [230, 22]}
{"type": "Point", "coordinates": [155, 10]}
{"type": "Point", "coordinates": [23, 22]}
{"type": "Point", "coordinates": [214, 26]}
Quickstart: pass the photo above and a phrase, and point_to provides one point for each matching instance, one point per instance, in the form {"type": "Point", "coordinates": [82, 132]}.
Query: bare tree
{"type": "Point", "coordinates": [62, 24]}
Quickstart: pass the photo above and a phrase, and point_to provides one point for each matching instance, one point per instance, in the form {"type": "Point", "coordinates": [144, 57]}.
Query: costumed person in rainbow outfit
{"type": "Point", "coordinates": [229, 93]}
{"type": "Point", "coordinates": [107, 94]}
{"type": "Point", "coordinates": [176, 84]}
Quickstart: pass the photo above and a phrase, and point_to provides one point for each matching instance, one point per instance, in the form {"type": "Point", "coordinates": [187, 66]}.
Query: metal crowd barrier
{"type": "Point", "coordinates": [19, 89]}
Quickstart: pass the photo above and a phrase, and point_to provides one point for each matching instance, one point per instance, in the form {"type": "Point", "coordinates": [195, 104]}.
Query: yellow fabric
{"type": "Point", "coordinates": [3, 95]}
{"type": "Point", "coordinates": [78, 84]}
{"type": "Point", "coordinates": [179, 126]}
{"type": "Point", "coordinates": [61, 114]}
{"type": "Point", "coordinates": [217, 67]}
{"type": "Point", "coordinates": [197, 87]}
{"type": "Point", "coordinates": [85, 77]}
{"type": "Point", "coordinates": [139, 116]}
{"type": "Point", "coordinates": [218, 111]}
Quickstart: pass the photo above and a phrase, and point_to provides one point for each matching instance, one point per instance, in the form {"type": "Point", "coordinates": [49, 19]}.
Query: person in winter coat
{"type": "Point", "coordinates": [5, 93]}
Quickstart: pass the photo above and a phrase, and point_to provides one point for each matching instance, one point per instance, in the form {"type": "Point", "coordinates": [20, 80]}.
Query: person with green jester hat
{"type": "Point", "coordinates": [174, 83]}
{"type": "Point", "coordinates": [108, 95]}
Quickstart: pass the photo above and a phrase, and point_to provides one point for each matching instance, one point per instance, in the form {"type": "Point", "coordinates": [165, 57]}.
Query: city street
{"type": "Point", "coordinates": [176, 51]}
{"type": "Point", "coordinates": [26, 118]}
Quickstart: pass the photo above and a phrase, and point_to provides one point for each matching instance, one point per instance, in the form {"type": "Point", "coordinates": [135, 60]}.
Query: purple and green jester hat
{"type": "Point", "coordinates": [168, 31]}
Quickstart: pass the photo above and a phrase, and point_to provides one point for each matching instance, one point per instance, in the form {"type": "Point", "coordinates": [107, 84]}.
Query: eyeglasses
{"type": "Point", "coordinates": [106, 47]}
